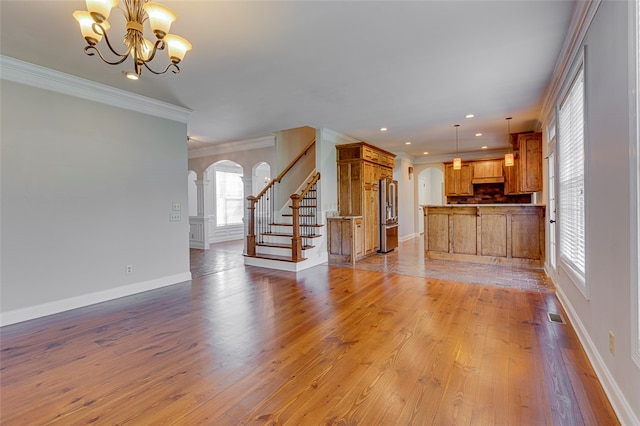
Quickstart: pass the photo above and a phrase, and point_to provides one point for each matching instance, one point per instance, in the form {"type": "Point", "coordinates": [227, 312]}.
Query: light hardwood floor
{"type": "Point", "coordinates": [330, 345]}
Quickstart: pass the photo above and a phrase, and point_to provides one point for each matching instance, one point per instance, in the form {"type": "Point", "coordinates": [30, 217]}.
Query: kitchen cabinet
{"type": "Point", "coordinates": [512, 177]}
{"type": "Point", "coordinates": [346, 238]}
{"type": "Point", "coordinates": [458, 182]}
{"type": "Point", "coordinates": [360, 166]}
{"type": "Point", "coordinates": [488, 171]}
{"type": "Point", "coordinates": [525, 176]}
{"type": "Point", "coordinates": [530, 167]}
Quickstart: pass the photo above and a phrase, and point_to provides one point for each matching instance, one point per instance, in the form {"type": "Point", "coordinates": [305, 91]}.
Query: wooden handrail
{"type": "Point", "coordinates": [284, 172]}
{"type": "Point", "coordinates": [310, 185]}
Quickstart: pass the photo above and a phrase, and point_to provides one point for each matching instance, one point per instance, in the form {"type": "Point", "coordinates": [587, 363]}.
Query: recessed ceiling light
{"type": "Point", "coordinates": [131, 75]}
{"type": "Point", "coordinates": [426, 153]}
{"type": "Point", "coordinates": [469, 116]}
{"type": "Point", "coordinates": [478, 134]}
{"type": "Point", "coordinates": [484, 147]}
{"type": "Point", "coordinates": [383, 129]}
{"type": "Point", "coordinates": [407, 143]}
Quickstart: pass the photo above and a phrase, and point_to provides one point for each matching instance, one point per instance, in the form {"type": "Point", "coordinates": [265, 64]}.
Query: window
{"type": "Point", "coordinates": [571, 203]}
{"type": "Point", "coordinates": [229, 202]}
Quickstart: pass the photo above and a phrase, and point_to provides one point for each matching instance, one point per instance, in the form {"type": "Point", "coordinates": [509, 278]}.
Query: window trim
{"type": "Point", "coordinates": [575, 276]}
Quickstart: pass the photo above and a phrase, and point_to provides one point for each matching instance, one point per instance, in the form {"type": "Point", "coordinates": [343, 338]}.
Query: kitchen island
{"type": "Point", "coordinates": [510, 234]}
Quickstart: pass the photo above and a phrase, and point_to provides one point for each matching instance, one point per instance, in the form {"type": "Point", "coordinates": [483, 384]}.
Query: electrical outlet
{"type": "Point", "coordinates": [128, 269]}
{"type": "Point", "coordinates": [612, 343]}
{"type": "Point", "coordinates": [174, 217]}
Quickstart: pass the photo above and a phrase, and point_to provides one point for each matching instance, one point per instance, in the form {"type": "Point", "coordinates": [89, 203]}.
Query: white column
{"type": "Point", "coordinates": [200, 223]}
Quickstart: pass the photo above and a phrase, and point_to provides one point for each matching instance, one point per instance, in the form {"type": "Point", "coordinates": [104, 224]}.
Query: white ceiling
{"type": "Point", "coordinates": [415, 67]}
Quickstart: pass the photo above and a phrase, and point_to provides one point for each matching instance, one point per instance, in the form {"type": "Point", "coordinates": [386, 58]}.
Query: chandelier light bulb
{"type": "Point", "coordinates": [178, 47]}
{"type": "Point", "coordinates": [100, 9]}
{"type": "Point", "coordinates": [86, 22]}
{"type": "Point", "coordinates": [160, 18]}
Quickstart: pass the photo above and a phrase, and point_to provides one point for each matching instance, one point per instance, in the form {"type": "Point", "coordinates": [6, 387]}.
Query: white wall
{"type": "Point", "coordinates": [607, 180]}
{"type": "Point", "coordinates": [407, 206]}
{"type": "Point", "coordinates": [87, 189]}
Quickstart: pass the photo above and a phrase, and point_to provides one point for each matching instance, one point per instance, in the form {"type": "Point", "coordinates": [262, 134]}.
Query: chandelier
{"type": "Point", "coordinates": [94, 26]}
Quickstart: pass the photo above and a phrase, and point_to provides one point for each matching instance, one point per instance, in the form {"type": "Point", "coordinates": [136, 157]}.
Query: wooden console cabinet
{"type": "Point", "coordinates": [360, 166]}
{"type": "Point", "coordinates": [506, 234]}
{"type": "Point", "coordinates": [346, 238]}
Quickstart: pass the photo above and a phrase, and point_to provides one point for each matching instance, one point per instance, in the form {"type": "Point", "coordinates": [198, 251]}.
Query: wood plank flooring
{"type": "Point", "coordinates": [328, 346]}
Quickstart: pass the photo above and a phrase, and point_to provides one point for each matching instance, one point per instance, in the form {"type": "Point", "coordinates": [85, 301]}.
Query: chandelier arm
{"type": "Point", "coordinates": [90, 47]}
{"type": "Point", "coordinates": [102, 31]}
{"type": "Point", "coordinates": [175, 71]}
{"type": "Point", "coordinates": [159, 45]}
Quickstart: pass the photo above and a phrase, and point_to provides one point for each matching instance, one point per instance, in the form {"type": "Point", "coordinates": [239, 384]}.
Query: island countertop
{"type": "Point", "coordinates": [486, 233]}
{"type": "Point", "coordinates": [487, 205]}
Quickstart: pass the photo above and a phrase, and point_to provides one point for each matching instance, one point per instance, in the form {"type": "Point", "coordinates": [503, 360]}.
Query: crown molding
{"type": "Point", "coordinates": [583, 14]}
{"type": "Point", "coordinates": [466, 156]}
{"type": "Point", "coordinates": [401, 155]}
{"type": "Point", "coordinates": [18, 71]}
{"type": "Point", "coordinates": [243, 145]}
{"type": "Point", "coordinates": [336, 136]}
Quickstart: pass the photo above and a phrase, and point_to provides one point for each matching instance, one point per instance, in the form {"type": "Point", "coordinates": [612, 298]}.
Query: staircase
{"type": "Point", "coordinates": [284, 238]}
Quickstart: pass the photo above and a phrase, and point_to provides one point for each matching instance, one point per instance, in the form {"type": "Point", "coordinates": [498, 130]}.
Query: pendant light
{"type": "Point", "coordinates": [508, 157]}
{"type": "Point", "coordinates": [457, 161]}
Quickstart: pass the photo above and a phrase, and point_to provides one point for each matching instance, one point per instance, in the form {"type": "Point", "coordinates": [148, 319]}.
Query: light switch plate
{"type": "Point", "coordinates": [174, 217]}
{"type": "Point", "coordinates": [176, 207]}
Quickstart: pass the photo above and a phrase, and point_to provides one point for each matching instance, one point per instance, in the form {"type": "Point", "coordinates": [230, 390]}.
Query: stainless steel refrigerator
{"type": "Point", "coordinates": [388, 215]}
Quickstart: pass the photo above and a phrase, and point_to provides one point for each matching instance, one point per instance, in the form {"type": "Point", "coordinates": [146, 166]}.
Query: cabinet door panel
{"type": "Point", "coordinates": [438, 229]}
{"type": "Point", "coordinates": [464, 234]}
{"type": "Point", "coordinates": [512, 177]}
{"type": "Point", "coordinates": [371, 221]}
{"type": "Point", "coordinates": [465, 187]}
{"type": "Point", "coordinates": [525, 236]}
{"type": "Point", "coordinates": [494, 235]}
{"type": "Point", "coordinates": [530, 162]}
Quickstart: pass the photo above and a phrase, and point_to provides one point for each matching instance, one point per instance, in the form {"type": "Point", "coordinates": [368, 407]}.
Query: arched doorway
{"type": "Point", "coordinates": [261, 177]}
{"type": "Point", "coordinates": [226, 201]}
{"type": "Point", "coordinates": [430, 191]}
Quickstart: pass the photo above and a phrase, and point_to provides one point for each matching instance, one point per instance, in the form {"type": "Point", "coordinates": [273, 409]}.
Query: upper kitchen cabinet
{"type": "Point", "coordinates": [530, 162]}
{"type": "Point", "coordinates": [458, 182]}
{"type": "Point", "coordinates": [488, 171]}
{"type": "Point", "coordinates": [512, 177]}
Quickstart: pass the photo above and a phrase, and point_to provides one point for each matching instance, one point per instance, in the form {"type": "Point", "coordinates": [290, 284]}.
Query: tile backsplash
{"type": "Point", "coordinates": [490, 193]}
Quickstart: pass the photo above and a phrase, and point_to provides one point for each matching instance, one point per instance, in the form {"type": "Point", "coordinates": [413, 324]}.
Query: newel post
{"type": "Point", "coordinates": [296, 241]}
{"type": "Point", "coordinates": [251, 231]}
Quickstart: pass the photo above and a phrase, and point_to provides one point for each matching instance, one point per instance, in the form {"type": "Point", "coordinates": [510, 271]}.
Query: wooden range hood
{"type": "Point", "coordinates": [488, 171]}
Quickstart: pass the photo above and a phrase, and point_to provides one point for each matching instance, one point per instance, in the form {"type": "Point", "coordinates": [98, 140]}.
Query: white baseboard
{"type": "Point", "coordinates": [50, 308]}
{"type": "Point", "coordinates": [616, 397]}
{"type": "Point", "coordinates": [408, 237]}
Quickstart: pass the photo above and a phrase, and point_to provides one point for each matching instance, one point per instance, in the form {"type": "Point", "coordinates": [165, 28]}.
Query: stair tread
{"type": "Point", "coordinates": [274, 257]}
{"type": "Point", "coordinates": [282, 245]}
{"type": "Point", "coordinates": [291, 224]}
{"type": "Point", "coordinates": [280, 234]}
